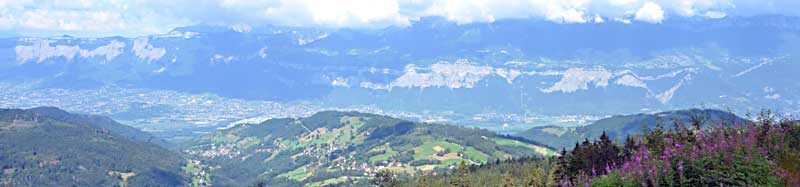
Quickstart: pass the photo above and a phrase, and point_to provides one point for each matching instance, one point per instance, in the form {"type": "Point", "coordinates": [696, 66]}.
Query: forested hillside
{"type": "Point", "coordinates": [347, 148]}
{"type": "Point", "coordinates": [621, 126]}
{"type": "Point", "coordinates": [39, 150]}
{"type": "Point", "coordinates": [99, 122]}
{"type": "Point", "coordinates": [731, 153]}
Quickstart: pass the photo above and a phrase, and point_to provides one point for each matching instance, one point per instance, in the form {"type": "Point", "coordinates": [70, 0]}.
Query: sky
{"type": "Point", "coordinates": [145, 17]}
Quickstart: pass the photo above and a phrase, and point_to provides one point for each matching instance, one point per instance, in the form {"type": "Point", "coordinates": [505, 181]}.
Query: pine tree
{"type": "Point", "coordinates": [423, 181]}
{"type": "Point", "coordinates": [461, 179]}
{"type": "Point", "coordinates": [561, 167]}
{"type": "Point", "coordinates": [535, 178]}
{"type": "Point", "coordinates": [609, 153]}
{"type": "Point", "coordinates": [385, 178]}
{"type": "Point", "coordinates": [551, 178]}
{"type": "Point", "coordinates": [630, 146]}
{"type": "Point", "coordinates": [655, 140]}
{"type": "Point", "coordinates": [508, 179]}
{"type": "Point", "coordinates": [645, 129]}
{"type": "Point", "coordinates": [575, 162]}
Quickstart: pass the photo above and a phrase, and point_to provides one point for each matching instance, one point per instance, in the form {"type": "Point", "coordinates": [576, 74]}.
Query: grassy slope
{"type": "Point", "coordinates": [324, 147]}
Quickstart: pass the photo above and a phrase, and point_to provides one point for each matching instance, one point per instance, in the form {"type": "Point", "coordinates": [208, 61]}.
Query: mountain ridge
{"type": "Point", "coordinates": [620, 126]}
{"type": "Point", "coordinates": [42, 151]}
{"type": "Point", "coordinates": [529, 62]}
{"type": "Point", "coordinates": [333, 147]}
{"type": "Point", "coordinates": [100, 122]}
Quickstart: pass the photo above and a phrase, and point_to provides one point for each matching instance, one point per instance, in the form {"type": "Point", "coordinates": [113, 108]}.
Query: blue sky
{"type": "Point", "coordinates": [143, 17]}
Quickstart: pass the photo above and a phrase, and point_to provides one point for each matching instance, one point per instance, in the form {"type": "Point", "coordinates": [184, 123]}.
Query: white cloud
{"type": "Point", "coordinates": [100, 17]}
{"type": "Point", "coordinates": [14, 3]}
{"type": "Point", "coordinates": [345, 13]}
{"type": "Point", "coordinates": [567, 16]}
{"type": "Point", "coordinates": [622, 20]}
{"type": "Point", "coordinates": [83, 17]}
{"type": "Point", "coordinates": [243, 28]}
{"type": "Point", "coordinates": [623, 2]}
{"type": "Point", "coordinates": [7, 22]}
{"type": "Point", "coordinates": [650, 12]}
{"type": "Point", "coordinates": [564, 11]}
{"type": "Point", "coordinates": [773, 96]}
{"type": "Point", "coordinates": [598, 19]}
{"type": "Point", "coordinates": [714, 14]}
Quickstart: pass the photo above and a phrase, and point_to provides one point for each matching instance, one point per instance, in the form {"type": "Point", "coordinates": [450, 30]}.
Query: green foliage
{"type": "Point", "coordinates": [432, 148]}
{"type": "Point", "coordinates": [38, 150]}
{"type": "Point", "coordinates": [461, 177]}
{"type": "Point", "coordinates": [619, 127]}
{"type": "Point", "coordinates": [593, 158]}
{"type": "Point", "coordinates": [331, 145]}
{"type": "Point", "coordinates": [385, 178]}
{"type": "Point", "coordinates": [612, 179]}
{"type": "Point", "coordinates": [100, 122]}
{"type": "Point", "coordinates": [385, 154]}
{"type": "Point", "coordinates": [513, 172]}
{"type": "Point", "coordinates": [738, 153]}
{"type": "Point", "coordinates": [476, 155]}
{"type": "Point", "coordinates": [299, 174]}
{"type": "Point", "coordinates": [734, 153]}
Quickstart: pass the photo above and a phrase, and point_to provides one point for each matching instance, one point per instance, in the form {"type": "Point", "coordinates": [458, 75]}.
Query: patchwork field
{"type": "Point", "coordinates": [332, 147]}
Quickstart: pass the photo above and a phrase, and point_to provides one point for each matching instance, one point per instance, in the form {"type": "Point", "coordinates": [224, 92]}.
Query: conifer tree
{"type": "Point", "coordinates": [508, 179]}
{"type": "Point", "coordinates": [461, 179]}
{"type": "Point", "coordinates": [384, 178]}
{"type": "Point", "coordinates": [535, 178]}
{"type": "Point", "coordinates": [630, 146]}
{"type": "Point", "coordinates": [423, 181]}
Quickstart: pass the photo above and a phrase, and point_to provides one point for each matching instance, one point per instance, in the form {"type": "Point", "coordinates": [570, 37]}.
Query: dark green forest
{"type": "Point", "coordinates": [39, 150]}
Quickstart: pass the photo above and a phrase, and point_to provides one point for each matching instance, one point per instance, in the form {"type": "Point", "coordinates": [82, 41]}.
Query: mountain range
{"type": "Point", "coordinates": [508, 66]}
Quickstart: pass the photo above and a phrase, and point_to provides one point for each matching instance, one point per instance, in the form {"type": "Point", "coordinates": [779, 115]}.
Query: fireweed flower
{"type": "Point", "coordinates": [749, 144]}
